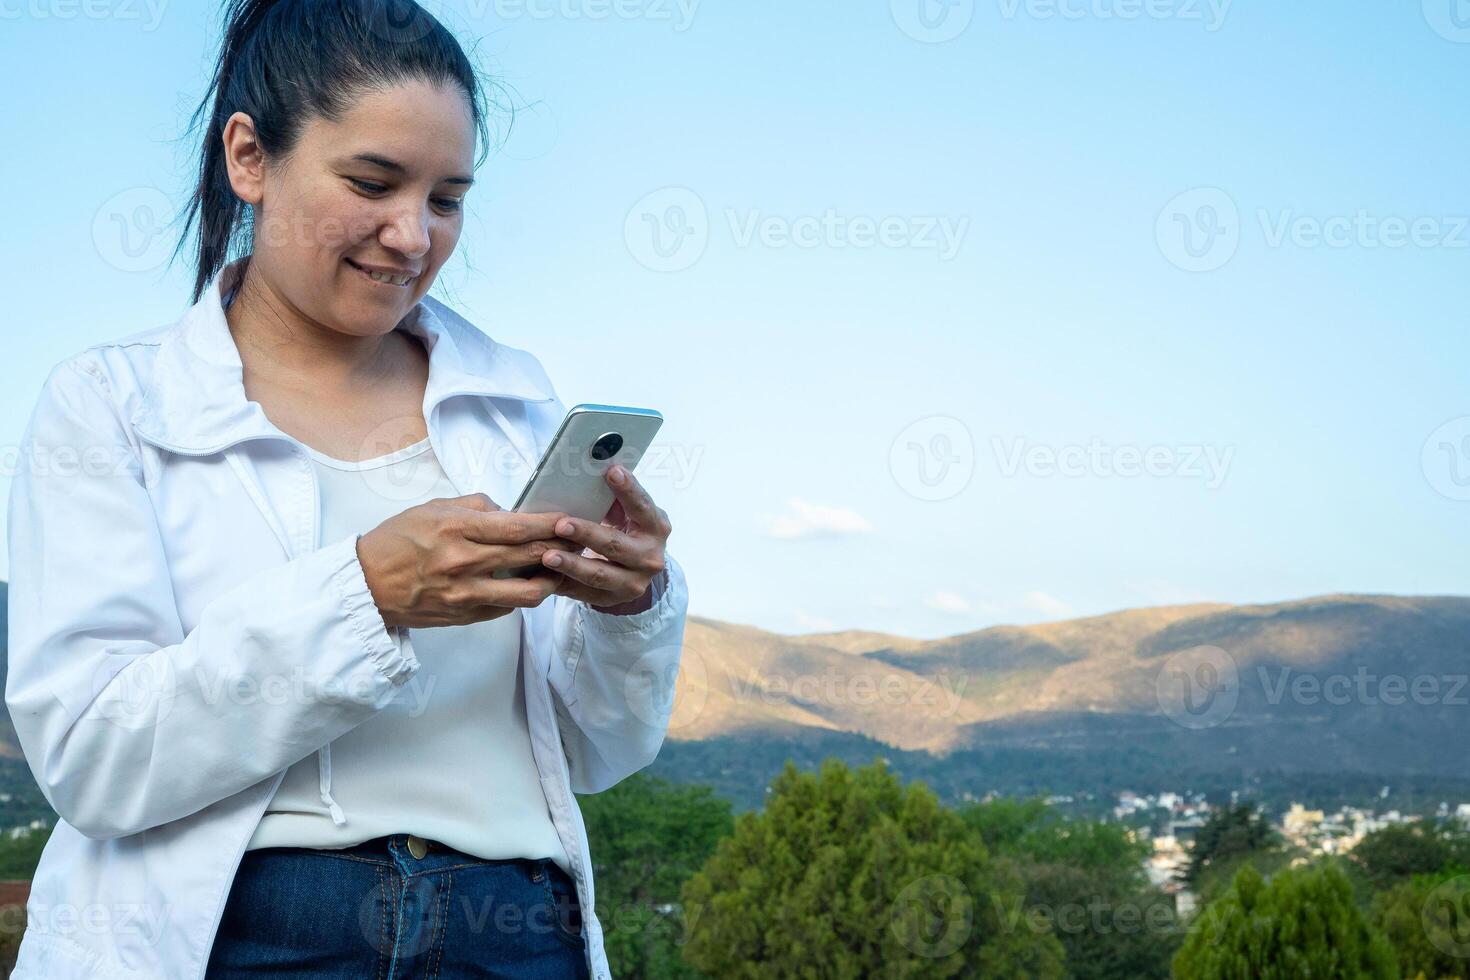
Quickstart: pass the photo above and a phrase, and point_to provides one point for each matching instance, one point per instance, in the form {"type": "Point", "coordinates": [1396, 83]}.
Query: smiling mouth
{"type": "Point", "coordinates": [381, 278]}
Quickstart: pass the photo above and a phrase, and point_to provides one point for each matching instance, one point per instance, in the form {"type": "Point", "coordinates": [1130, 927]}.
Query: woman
{"type": "Point", "coordinates": [258, 663]}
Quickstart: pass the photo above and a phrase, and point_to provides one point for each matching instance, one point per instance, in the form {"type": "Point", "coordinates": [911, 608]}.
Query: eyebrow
{"type": "Point", "coordinates": [393, 166]}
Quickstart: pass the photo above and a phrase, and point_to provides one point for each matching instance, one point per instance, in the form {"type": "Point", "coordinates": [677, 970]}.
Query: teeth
{"type": "Point", "coordinates": [381, 276]}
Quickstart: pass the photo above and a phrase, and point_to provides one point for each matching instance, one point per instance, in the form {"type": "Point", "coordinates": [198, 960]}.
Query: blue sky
{"type": "Point", "coordinates": [1007, 312]}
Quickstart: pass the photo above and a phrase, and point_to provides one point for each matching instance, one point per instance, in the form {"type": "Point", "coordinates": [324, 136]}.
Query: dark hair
{"type": "Point", "coordinates": [283, 62]}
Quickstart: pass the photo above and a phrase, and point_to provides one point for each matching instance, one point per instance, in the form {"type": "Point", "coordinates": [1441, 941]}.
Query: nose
{"type": "Point", "coordinates": [407, 232]}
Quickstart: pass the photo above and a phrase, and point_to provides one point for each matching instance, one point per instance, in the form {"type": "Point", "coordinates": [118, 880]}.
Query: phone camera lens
{"type": "Point", "coordinates": [607, 446]}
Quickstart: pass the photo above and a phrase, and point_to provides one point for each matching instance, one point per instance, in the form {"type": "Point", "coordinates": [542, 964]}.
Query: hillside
{"type": "Point", "coordinates": [1341, 692]}
{"type": "Point", "coordinates": [1347, 682]}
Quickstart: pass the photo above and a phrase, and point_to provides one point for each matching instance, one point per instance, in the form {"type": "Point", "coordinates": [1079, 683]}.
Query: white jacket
{"type": "Point", "coordinates": [179, 636]}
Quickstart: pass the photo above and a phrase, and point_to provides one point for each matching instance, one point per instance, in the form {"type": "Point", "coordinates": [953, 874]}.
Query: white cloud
{"type": "Point", "coordinates": [1158, 592]}
{"type": "Point", "coordinates": [948, 602]}
{"type": "Point", "coordinates": [814, 624]}
{"type": "Point", "coordinates": [1047, 605]}
{"type": "Point", "coordinates": [807, 520]}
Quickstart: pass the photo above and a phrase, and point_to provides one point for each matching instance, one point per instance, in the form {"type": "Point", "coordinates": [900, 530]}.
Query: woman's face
{"type": "Point", "coordinates": [380, 190]}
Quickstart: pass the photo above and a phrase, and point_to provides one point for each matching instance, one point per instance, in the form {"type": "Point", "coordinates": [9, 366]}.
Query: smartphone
{"type": "Point", "coordinates": [571, 477]}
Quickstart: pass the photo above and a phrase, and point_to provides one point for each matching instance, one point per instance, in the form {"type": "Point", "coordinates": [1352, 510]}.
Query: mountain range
{"type": "Point", "coordinates": [1366, 684]}
{"type": "Point", "coordinates": [1355, 688]}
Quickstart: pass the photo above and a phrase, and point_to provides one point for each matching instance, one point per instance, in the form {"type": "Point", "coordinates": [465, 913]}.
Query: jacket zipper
{"type": "Point", "coordinates": [263, 505]}
{"type": "Point", "coordinates": [223, 895]}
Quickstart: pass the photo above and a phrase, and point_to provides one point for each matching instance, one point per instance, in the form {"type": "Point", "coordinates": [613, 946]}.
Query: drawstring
{"type": "Point", "coordinates": [324, 754]}
{"type": "Point", "coordinates": [324, 780]}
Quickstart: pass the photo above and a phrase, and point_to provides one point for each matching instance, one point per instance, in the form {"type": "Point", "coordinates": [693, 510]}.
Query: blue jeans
{"type": "Point", "coordinates": [375, 912]}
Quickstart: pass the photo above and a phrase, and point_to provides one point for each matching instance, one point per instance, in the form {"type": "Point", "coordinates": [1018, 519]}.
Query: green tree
{"type": "Point", "coordinates": [1031, 828]}
{"type": "Point", "coordinates": [1109, 932]}
{"type": "Point", "coordinates": [1397, 852]}
{"type": "Point", "coordinates": [1086, 879]}
{"type": "Point", "coordinates": [1231, 835]}
{"type": "Point", "coordinates": [1303, 923]}
{"type": "Point", "coordinates": [1002, 823]}
{"type": "Point", "coordinates": [20, 854]}
{"type": "Point", "coordinates": [1427, 921]}
{"type": "Point", "coordinates": [647, 837]}
{"type": "Point", "coordinates": [848, 875]}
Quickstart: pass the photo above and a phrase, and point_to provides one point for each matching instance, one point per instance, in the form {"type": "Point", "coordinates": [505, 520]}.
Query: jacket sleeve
{"type": "Point", "coordinates": [126, 722]}
{"type": "Point", "coordinates": [614, 678]}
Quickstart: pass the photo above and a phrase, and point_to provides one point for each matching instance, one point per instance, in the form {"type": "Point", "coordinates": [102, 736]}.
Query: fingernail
{"type": "Point", "coordinates": [618, 474]}
{"type": "Point", "coordinates": [553, 559]}
{"type": "Point", "coordinates": [566, 528]}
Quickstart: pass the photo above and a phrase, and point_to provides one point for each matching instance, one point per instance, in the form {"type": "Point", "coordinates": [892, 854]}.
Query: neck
{"type": "Point", "coordinates": [281, 345]}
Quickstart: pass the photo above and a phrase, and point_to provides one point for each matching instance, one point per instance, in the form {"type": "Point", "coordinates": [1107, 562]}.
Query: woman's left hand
{"type": "Point", "coordinates": [628, 550]}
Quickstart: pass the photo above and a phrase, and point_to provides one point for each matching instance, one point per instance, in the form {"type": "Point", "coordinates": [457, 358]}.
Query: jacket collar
{"type": "Point", "coordinates": [195, 399]}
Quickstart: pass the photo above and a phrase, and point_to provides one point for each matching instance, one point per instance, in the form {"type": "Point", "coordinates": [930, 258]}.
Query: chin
{"type": "Point", "coordinates": [364, 322]}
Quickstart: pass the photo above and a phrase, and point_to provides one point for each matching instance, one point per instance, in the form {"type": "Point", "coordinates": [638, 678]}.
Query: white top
{"type": "Point", "coordinates": [449, 758]}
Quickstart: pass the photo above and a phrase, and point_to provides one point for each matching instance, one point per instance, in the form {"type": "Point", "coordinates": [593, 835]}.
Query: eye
{"type": "Point", "coordinates": [449, 204]}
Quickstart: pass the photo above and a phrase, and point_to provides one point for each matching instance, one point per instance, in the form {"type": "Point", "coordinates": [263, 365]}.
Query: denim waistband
{"type": "Point", "coordinates": [392, 851]}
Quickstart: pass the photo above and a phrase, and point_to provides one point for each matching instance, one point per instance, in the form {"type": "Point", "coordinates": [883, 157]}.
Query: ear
{"type": "Point", "coordinates": [244, 158]}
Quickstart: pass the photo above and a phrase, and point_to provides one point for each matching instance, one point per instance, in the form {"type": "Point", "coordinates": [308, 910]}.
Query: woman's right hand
{"type": "Point", "coordinates": [431, 565]}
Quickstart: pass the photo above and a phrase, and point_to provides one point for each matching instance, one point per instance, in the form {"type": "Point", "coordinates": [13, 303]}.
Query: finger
{"type": "Point", "coordinates": [617, 546]}
{"type": "Point", "coordinates": [474, 501]}
{"type": "Point", "coordinates": [573, 589]}
{"type": "Point", "coordinates": [516, 556]}
{"type": "Point", "coordinates": [488, 612]}
{"type": "Point", "coordinates": [622, 583]}
{"type": "Point", "coordinates": [637, 504]}
{"type": "Point", "coordinates": [519, 592]}
{"type": "Point", "coordinates": [503, 527]}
